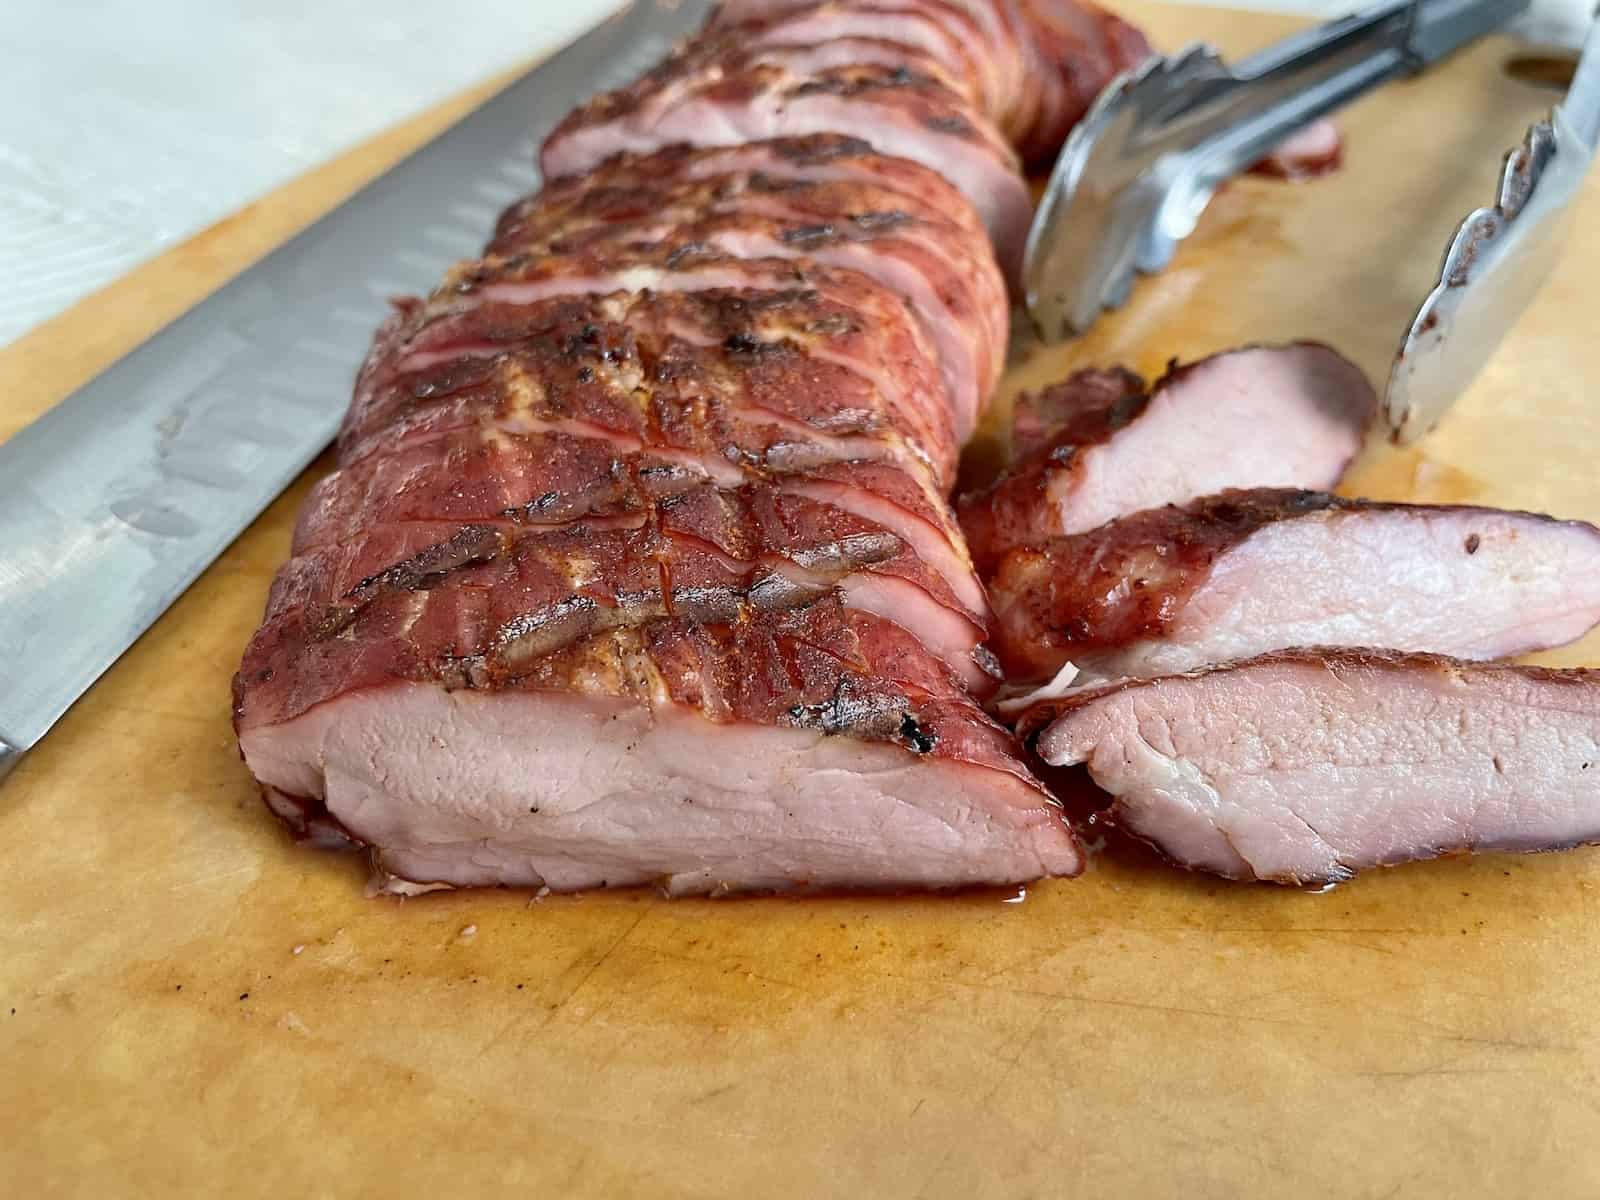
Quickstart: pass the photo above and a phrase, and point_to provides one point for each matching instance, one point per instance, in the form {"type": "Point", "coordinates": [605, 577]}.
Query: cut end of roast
{"type": "Point", "coordinates": [443, 786]}
{"type": "Point", "coordinates": [1306, 766]}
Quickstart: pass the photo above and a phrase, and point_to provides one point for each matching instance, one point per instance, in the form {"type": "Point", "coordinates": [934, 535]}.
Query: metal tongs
{"type": "Point", "coordinates": [1498, 259]}
{"type": "Point", "coordinates": [1141, 167]}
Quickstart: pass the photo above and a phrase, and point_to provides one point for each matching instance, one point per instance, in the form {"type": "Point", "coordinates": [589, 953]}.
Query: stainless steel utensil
{"type": "Point", "coordinates": [1138, 171]}
{"type": "Point", "coordinates": [114, 501]}
{"type": "Point", "coordinates": [1498, 259]}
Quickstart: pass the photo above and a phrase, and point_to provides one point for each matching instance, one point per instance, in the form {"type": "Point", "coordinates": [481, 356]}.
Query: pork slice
{"type": "Point", "coordinates": [990, 43]}
{"type": "Point", "coordinates": [815, 748]}
{"type": "Point", "coordinates": [1077, 411]}
{"type": "Point", "coordinates": [843, 53]}
{"type": "Point", "coordinates": [787, 349]}
{"type": "Point", "coordinates": [1305, 766]}
{"type": "Point", "coordinates": [625, 548]}
{"type": "Point", "coordinates": [951, 285]}
{"type": "Point", "coordinates": [821, 158]}
{"type": "Point", "coordinates": [538, 590]}
{"type": "Point", "coordinates": [813, 177]}
{"type": "Point", "coordinates": [1245, 572]}
{"type": "Point", "coordinates": [860, 29]}
{"type": "Point", "coordinates": [630, 390]}
{"type": "Point", "coordinates": [1284, 416]}
{"type": "Point", "coordinates": [715, 102]}
{"type": "Point", "coordinates": [1077, 49]}
{"type": "Point", "coordinates": [485, 474]}
{"type": "Point", "coordinates": [1310, 153]}
{"type": "Point", "coordinates": [1047, 60]}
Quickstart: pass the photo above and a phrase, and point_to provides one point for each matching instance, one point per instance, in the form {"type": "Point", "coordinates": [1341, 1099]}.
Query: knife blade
{"type": "Point", "coordinates": [114, 501]}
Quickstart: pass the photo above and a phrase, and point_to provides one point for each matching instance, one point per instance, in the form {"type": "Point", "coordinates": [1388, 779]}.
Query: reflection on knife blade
{"type": "Point", "coordinates": [113, 502]}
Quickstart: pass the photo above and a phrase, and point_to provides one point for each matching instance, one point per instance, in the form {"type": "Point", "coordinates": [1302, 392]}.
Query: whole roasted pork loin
{"type": "Point", "coordinates": [638, 564]}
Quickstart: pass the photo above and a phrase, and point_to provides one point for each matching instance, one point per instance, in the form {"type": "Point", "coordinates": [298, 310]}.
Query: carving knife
{"type": "Point", "coordinates": [114, 501]}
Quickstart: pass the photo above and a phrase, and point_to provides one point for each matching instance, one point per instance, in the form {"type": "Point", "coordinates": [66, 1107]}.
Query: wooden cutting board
{"type": "Point", "coordinates": [190, 1005]}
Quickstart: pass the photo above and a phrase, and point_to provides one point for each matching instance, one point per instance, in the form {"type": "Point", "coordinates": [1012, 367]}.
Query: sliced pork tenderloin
{"type": "Point", "coordinates": [638, 565]}
{"type": "Point", "coordinates": [821, 158]}
{"type": "Point", "coordinates": [1244, 572]}
{"type": "Point", "coordinates": [669, 235]}
{"type": "Point", "coordinates": [701, 413]}
{"type": "Point", "coordinates": [483, 475]}
{"type": "Point", "coordinates": [709, 101]}
{"type": "Point", "coordinates": [832, 353]}
{"type": "Point", "coordinates": [812, 748]}
{"type": "Point", "coordinates": [992, 40]}
{"type": "Point", "coordinates": [1043, 62]}
{"type": "Point", "coordinates": [645, 549]}
{"type": "Point", "coordinates": [1279, 416]}
{"type": "Point", "coordinates": [896, 33]}
{"type": "Point", "coordinates": [1306, 766]}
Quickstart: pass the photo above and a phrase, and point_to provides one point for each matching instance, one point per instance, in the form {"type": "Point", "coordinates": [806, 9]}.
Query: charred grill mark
{"type": "Point", "coordinates": [858, 708]}
{"type": "Point", "coordinates": [1126, 410]}
{"type": "Point", "coordinates": [732, 306]}
{"type": "Point", "coordinates": [806, 236]}
{"type": "Point", "coordinates": [744, 344]}
{"type": "Point", "coordinates": [854, 81]}
{"type": "Point", "coordinates": [538, 506]}
{"type": "Point", "coordinates": [914, 736]}
{"type": "Point", "coordinates": [821, 149]}
{"type": "Point", "coordinates": [531, 636]}
{"type": "Point", "coordinates": [951, 124]}
{"type": "Point", "coordinates": [692, 252]}
{"type": "Point", "coordinates": [472, 546]}
{"type": "Point", "coordinates": [768, 184]}
{"type": "Point", "coordinates": [465, 673]}
{"type": "Point", "coordinates": [836, 326]}
{"type": "Point", "coordinates": [854, 710]}
{"type": "Point", "coordinates": [582, 343]}
{"type": "Point", "coordinates": [881, 222]}
{"type": "Point", "coordinates": [851, 551]}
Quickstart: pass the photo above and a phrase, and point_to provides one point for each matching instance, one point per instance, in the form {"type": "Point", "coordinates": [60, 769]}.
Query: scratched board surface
{"type": "Point", "coordinates": [189, 1004]}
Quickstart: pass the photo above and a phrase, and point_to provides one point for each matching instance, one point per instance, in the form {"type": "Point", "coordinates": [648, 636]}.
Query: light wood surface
{"type": "Point", "coordinates": [190, 1005]}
